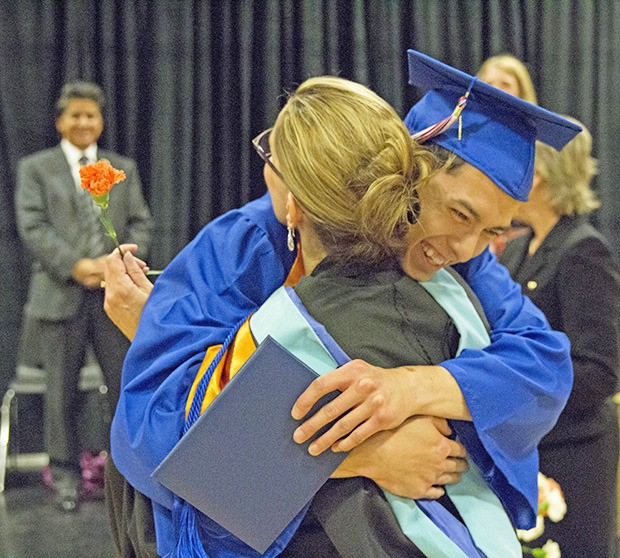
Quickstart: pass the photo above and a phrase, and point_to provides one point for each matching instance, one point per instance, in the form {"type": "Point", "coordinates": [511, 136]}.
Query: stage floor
{"type": "Point", "coordinates": [30, 524]}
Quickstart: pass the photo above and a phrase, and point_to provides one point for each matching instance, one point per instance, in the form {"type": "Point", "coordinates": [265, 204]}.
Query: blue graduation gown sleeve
{"type": "Point", "coordinates": [515, 388]}
{"type": "Point", "coordinates": [223, 275]}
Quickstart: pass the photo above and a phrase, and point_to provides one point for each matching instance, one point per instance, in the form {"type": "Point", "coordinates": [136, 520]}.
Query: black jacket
{"type": "Point", "coordinates": [574, 279]}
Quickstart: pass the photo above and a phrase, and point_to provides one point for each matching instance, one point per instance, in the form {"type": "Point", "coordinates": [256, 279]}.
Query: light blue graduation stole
{"type": "Point", "coordinates": [284, 318]}
{"type": "Point", "coordinates": [478, 505]}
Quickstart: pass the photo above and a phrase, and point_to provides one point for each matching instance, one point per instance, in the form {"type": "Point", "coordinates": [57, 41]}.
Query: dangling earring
{"type": "Point", "coordinates": [290, 239]}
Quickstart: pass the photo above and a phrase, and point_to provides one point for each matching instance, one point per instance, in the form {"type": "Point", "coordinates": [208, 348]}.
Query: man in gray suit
{"type": "Point", "coordinates": [58, 224]}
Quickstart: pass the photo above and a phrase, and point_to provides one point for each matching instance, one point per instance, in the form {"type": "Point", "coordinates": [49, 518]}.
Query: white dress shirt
{"type": "Point", "coordinates": [74, 154]}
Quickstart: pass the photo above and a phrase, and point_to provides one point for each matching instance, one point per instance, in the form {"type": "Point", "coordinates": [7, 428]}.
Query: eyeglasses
{"type": "Point", "coordinates": [261, 144]}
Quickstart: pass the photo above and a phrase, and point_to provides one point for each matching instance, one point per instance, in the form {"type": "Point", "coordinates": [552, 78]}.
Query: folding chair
{"type": "Point", "coordinates": [30, 380]}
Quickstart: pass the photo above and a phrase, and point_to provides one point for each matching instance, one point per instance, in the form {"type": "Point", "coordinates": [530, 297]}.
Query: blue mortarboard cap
{"type": "Point", "coordinates": [497, 131]}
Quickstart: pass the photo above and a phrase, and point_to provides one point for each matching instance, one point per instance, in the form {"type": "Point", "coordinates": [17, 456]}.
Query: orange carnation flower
{"type": "Point", "coordinates": [98, 178]}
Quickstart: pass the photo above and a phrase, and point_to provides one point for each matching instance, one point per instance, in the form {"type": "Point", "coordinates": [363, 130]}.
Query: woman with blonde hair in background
{"type": "Point", "coordinates": [508, 73]}
{"type": "Point", "coordinates": [567, 269]}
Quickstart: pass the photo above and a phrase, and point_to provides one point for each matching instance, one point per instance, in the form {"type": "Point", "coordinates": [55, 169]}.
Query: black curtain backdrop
{"type": "Point", "coordinates": [189, 83]}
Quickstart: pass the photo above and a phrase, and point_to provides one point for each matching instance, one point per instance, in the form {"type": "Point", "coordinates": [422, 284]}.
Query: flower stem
{"type": "Point", "coordinates": [535, 552]}
{"type": "Point", "coordinates": [107, 223]}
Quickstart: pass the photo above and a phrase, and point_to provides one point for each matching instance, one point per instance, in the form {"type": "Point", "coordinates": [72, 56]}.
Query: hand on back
{"type": "Point", "coordinates": [414, 460]}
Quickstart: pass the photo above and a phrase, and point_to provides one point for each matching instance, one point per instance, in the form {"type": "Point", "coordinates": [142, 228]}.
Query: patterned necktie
{"type": "Point", "coordinates": [92, 226]}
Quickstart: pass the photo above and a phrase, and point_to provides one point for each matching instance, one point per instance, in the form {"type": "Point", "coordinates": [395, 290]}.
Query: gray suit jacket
{"type": "Point", "coordinates": [51, 225]}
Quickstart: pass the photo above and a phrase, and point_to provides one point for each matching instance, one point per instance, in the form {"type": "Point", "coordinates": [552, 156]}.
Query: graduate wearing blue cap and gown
{"type": "Point", "coordinates": [495, 134]}
{"type": "Point", "coordinates": [231, 268]}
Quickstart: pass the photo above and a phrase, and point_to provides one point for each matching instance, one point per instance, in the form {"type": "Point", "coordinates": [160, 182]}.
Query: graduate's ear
{"type": "Point", "coordinates": [539, 189]}
{"type": "Point", "coordinates": [293, 212]}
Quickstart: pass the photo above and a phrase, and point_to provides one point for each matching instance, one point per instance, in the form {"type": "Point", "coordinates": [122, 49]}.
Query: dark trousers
{"type": "Point", "coordinates": [586, 471]}
{"type": "Point", "coordinates": [131, 516]}
{"type": "Point", "coordinates": [63, 346]}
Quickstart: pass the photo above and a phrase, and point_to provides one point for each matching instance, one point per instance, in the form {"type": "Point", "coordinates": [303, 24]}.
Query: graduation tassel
{"type": "Point", "coordinates": [188, 541]}
{"type": "Point", "coordinates": [447, 122]}
{"type": "Point", "coordinates": [464, 99]}
{"type": "Point", "coordinates": [444, 124]}
{"type": "Point", "coordinates": [186, 531]}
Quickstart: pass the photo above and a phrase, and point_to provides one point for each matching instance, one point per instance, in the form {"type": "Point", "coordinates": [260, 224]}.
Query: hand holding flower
{"type": "Point", "coordinates": [127, 289]}
{"type": "Point", "coordinates": [98, 179]}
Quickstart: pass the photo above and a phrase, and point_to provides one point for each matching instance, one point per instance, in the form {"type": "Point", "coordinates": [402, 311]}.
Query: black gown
{"type": "Point", "coordinates": [378, 314]}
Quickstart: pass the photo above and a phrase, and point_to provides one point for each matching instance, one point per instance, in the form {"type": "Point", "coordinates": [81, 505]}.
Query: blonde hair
{"type": "Point", "coordinates": [567, 174]}
{"type": "Point", "coordinates": [517, 69]}
{"type": "Point", "coordinates": [349, 161]}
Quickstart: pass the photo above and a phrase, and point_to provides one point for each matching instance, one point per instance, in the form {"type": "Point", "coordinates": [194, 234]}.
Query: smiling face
{"type": "Point", "coordinates": [81, 122]}
{"type": "Point", "coordinates": [462, 211]}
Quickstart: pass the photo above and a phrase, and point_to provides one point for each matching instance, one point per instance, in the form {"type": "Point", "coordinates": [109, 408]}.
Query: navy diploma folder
{"type": "Point", "coordinates": [238, 463]}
